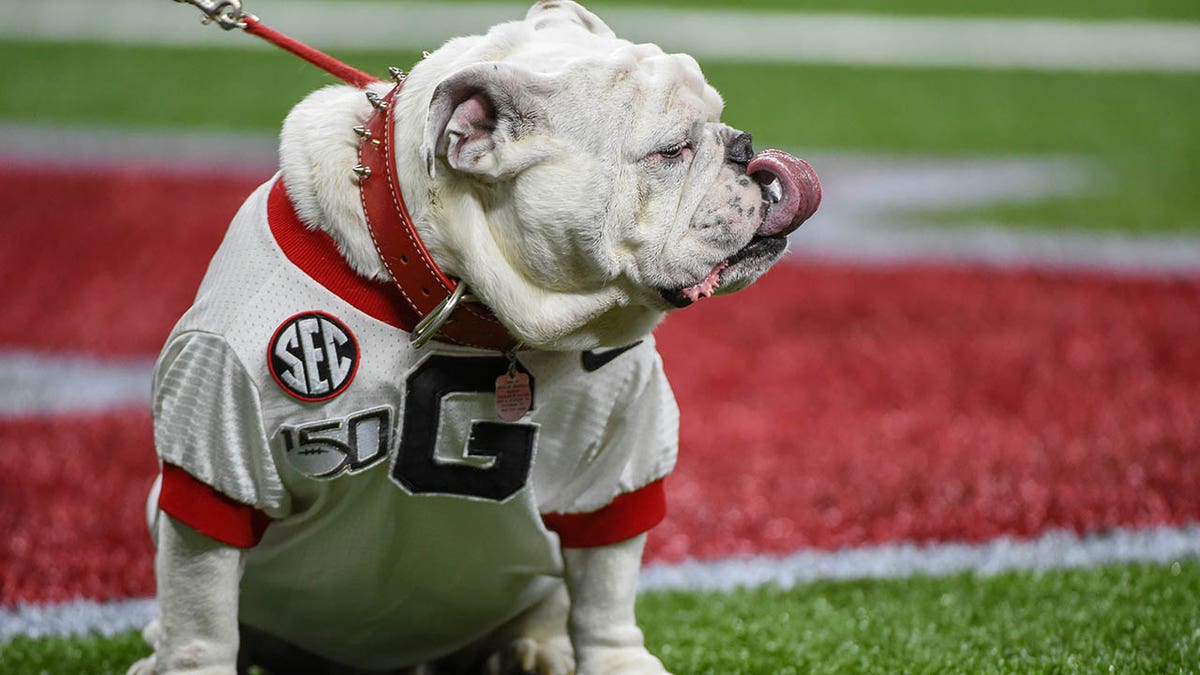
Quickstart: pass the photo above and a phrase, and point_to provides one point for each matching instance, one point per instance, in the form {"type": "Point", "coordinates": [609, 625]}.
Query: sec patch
{"type": "Point", "coordinates": [313, 356]}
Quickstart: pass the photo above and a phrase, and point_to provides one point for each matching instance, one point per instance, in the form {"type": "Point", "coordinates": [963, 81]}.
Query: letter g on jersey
{"type": "Point", "coordinates": [313, 356]}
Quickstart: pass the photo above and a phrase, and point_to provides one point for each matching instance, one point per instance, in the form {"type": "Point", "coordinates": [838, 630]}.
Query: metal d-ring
{"type": "Point", "coordinates": [433, 322]}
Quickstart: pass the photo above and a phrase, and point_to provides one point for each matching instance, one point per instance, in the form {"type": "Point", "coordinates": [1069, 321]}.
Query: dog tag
{"type": "Point", "coordinates": [514, 397]}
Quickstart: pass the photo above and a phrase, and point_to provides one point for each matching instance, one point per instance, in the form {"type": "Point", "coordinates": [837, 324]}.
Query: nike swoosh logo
{"type": "Point", "coordinates": [593, 361]}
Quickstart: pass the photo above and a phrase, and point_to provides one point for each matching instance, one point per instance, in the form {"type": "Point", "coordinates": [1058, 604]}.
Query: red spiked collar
{"type": "Point", "coordinates": [447, 310]}
{"type": "Point", "coordinates": [443, 304]}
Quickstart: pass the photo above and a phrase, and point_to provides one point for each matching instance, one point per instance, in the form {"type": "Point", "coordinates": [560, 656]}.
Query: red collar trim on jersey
{"type": "Point", "coordinates": [420, 286]}
{"type": "Point", "coordinates": [316, 254]}
{"type": "Point", "coordinates": [425, 289]}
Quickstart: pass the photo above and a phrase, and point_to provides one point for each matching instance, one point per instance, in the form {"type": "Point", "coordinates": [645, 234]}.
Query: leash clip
{"type": "Point", "coordinates": [433, 322]}
{"type": "Point", "coordinates": [227, 14]}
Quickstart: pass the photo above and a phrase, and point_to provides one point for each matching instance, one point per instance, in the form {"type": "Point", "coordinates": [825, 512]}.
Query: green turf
{"type": "Point", "coordinates": [1121, 619]}
{"type": "Point", "coordinates": [140, 87]}
{"type": "Point", "coordinates": [82, 656]}
{"type": "Point", "coordinates": [1141, 128]}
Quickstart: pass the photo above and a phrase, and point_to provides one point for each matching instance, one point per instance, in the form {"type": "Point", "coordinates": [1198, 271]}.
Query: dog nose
{"type": "Point", "coordinates": [740, 149]}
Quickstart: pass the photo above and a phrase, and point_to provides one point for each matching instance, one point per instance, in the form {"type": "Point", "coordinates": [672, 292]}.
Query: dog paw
{"type": "Point", "coordinates": [143, 667]}
{"type": "Point", "coordinates": [151, 635]}
{"type": "Point", "coordinates": [526, 656]}
{"type": "Point", "coordinates": [619, 661]}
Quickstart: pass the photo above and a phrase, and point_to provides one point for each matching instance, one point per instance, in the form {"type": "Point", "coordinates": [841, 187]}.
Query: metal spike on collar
{"type": "Point", "coordinates": [376, 102]}
{"type": "Point", "coordinates": [362, 132]}
{"type": "Point", "coordinates": [363, 172]}
{"type": "Point", "coordinates": [396, 74]}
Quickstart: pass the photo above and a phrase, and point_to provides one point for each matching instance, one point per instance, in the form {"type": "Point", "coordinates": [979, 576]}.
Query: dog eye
{"type": "Point", "coordinates": [674, 152]}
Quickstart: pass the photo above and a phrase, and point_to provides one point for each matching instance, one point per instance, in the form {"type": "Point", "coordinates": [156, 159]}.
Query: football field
{"type": "Point", "coordinates": [957, 430]}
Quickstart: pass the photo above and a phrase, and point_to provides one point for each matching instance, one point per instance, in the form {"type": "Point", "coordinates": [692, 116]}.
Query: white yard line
{"type": "Point", "coordinates": [1051, 551]}
{"type": "Point", "coordinates": [994, 244]}
{"type": "Point", "coordinates": [45, 384]}
{"type": "Point", "coordinates": [179, 149]}
{"type": "Point", "coordinates": [78, 617]}
{"type": "Point", "coordinates": [852, 39]}
{"type": "Point", "coordinates": [184, 149]}
{"type": "Point", "coordinates": [871, 206]}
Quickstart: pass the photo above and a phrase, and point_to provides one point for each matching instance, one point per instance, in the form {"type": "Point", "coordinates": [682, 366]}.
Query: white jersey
{"type": "Point", "coordinates": [389, 515]}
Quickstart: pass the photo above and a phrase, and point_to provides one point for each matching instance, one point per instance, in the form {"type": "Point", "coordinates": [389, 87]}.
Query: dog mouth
{"type": "Point", "coordinates": [760, 248]}
{"type": "Point", "coordinates": [791, 194]}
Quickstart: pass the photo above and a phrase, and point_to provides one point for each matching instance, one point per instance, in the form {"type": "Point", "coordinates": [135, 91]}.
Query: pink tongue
{"type": "Point", "coordinates": [801, 190]}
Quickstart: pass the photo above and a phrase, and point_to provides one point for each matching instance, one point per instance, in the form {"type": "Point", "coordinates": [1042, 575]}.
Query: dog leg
{"type": "Point", "coordinates": [602, 582]}
{"type": "Point", "coordinates": [197, 632]}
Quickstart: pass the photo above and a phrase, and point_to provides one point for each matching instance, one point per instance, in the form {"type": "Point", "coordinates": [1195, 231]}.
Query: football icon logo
{"type": "Point", "coordinates": [329, 448]}
{"type": "Point", "coordinates": [313, 356]}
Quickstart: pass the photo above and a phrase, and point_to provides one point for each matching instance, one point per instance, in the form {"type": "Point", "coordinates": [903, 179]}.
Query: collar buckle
{"type": "Point", "coordinates": [433, 322]}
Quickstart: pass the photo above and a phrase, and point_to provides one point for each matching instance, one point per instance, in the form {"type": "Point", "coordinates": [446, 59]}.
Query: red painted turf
{"type": "Point", "coordinates": [827, 406]}
{"type": "Point", "coordinates": [832, 406]}
{"type": "Point", "coordinates": [72, 496]}
{"type": "Point", "coordinates": [120, 254]}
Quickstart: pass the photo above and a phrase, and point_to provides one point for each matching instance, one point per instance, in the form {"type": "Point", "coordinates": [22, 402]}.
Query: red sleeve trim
{"type": "Point", "coordinates": [202, 508]}
{"type": "Point", "coordinates": [626, 517]}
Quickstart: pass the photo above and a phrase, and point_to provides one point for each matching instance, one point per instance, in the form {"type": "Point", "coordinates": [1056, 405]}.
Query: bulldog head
{"type": "Point", "coordinates": [581, 185]}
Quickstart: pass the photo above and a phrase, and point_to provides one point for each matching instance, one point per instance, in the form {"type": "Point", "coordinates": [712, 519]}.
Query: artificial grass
{"type": "Point", "coordinates": [91, 655]}
{"type": "Point", "coordinates": [1139, 128]}
{"type": "Point", "coordinates": [1126, 619]}
{"type": "Point", "coordinates": [1117, 619]}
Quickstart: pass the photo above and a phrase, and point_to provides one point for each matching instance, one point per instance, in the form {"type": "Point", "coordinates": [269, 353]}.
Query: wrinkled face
{"type": "Point", "coordinates": [657, 187]}
{"type": "Point", "coordinates": [684, 217]}
{"type": "Point", "coordinates": [606, 164]}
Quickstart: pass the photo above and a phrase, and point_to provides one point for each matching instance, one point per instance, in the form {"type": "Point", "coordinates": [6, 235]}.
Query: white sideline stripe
{"type": "Point", "coordinates": [851, 39]}
{"type": "Point", "coordinates": [1052, 551]}
{"type": "Point", "coordinates": [44, 384]}
{"type": "Point", "coordinates": [871, 214]}
{"type": "Point", "coordinates": [1056, 549]}
{"type": "Point", "coordinates": [996, 245]}
{"type": "Point", "coordinates": [78, 617]}
{"type": "Point", "coordinates": [101, 147]}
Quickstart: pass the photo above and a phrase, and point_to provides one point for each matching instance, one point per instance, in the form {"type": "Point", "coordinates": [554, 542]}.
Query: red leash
{"type": "Point", "coordinates": [445, 308]}
{"type": "Point", "coordinates": [343, 71]}
{"type": "Point", "coordinates": [228, 14]}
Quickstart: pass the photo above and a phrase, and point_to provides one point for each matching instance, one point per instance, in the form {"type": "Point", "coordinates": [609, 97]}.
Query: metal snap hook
{"type": "Point", "coordinates": [227, 14]}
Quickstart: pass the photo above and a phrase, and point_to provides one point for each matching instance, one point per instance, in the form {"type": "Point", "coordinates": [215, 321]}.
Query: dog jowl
{"type": "Point", "coordinates": [335, 496]}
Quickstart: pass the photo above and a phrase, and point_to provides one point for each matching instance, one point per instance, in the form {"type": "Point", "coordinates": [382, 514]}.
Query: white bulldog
{"type": "Point", "coordinates": [581, 186]}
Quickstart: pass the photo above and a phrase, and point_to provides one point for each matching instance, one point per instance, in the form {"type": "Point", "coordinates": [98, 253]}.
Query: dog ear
{"type": "Point", "coordinates": [482, 117]}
